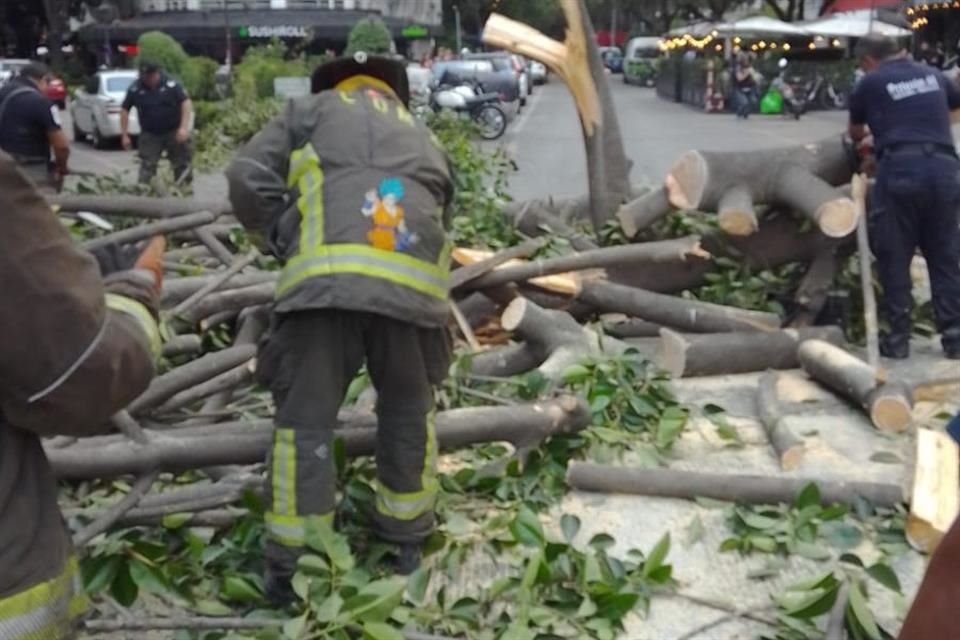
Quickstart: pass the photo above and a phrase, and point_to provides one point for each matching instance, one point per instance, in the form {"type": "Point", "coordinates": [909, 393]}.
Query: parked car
{"type": "Point", "coordinates": [538, 73]}
{"type": "Point", "coordinates": [507, 64]}
{"type": "Point", "coordinates": [641, 61]}
{"type": "Point", "coordinates": [9, 68]}
{"type": "Point", "coordinates": [95, 109]}
{"type": "Point", "coordinates": [612, 58]}
{"type": "Point", "coordinates": [57, 92]}
{"type": "Point", "coordinates": [482, 70]}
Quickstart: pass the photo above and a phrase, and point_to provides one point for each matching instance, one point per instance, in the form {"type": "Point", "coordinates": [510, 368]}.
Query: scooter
{"type": "Point", "coordinates": [482, 107]}
{"type": "Point", "coordinates": [793, 91]}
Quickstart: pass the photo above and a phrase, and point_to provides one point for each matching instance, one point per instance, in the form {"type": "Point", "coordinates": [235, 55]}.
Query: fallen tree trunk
{"type": "Point", "coordinates": [670, 311]}
{"type": "Point", "coordinates": [675, 251]}
{"type": "Point", "coordinates": [142, 232]}
{"type": "Point", "coordinates": [788, 447]}
{"type": "Point", "coordinates": [751, 489]}
{"type": "Point", "coordinates": [230, 300]}
{"type": "Point", "coordinates": [137, 206]}
{"type": "Point", "coordinates": [889, 405]}
{"type": "Point", "coordinates": [687, 356]}
{"type": "Point", "coordinates": [521, 425]}
{"type": "Point", "coordinates": [504, 362]}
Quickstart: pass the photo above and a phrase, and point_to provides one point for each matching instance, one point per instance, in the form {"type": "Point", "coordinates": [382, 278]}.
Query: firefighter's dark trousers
{"type": "Point", "coordinates": [308, 362]}
{"type": "Point", "coordinates": [917, 201]}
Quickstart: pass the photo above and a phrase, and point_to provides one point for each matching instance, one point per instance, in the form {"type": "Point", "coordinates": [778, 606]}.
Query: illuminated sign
{"type": "Point", "coordinates": [415, 31]}
{"type": "Point", "coordinates": [282, 31]}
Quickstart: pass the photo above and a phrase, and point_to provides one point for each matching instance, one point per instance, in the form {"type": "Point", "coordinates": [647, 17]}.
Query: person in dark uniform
{"type": "Point", "coordinates": [164, 110]}
{"type": "Point", "coordinates": [30, 128]}
{"type": "Point", "coordinates": [906, 106]}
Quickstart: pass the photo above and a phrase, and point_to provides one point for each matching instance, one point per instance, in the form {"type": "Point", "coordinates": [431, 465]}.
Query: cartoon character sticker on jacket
{"type": "Point", "coordinates": [389, 231]}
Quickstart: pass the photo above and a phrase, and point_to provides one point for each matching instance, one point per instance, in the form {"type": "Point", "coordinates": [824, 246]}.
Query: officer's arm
{"type": "Point", "coordinates": [61, 149]}
{"type": "Point", "coordinates": [953, 97]}
{"type": "Point", "coordinates": [858, 113]}
{"type": "Point", "coordinates": [257, 176]}
{"type": "Point", "coordinates": [70, 356]}
{"type": "Point", "coordinates": [186, 108]}
{"type": "Point", "coordinates": [125, 112]}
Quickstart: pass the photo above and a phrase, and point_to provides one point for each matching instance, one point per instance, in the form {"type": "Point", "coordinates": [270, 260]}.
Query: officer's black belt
{"type": "Point", "coordinates": [920, 148]}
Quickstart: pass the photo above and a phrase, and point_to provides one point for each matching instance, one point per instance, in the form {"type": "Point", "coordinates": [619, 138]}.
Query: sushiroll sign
{"type": "Point", "coordinates": [278, 31]}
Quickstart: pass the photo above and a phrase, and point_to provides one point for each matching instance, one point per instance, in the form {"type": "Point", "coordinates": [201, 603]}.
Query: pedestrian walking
{"type": "Point", "coordinates": [73, 350]}
{"type": "Point", "coordinates": [351, 193]}
{"type": "Point", "coordinates": [164, 110]}
{"type": "Point", "coordinates": [906, 107]}
{"type": "Point", "coordinates": [745, 86]}
{"type": "Point", "coordinates": [30, 128]}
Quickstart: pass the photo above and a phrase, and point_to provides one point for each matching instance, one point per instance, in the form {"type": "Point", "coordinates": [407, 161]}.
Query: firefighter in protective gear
{"type": "Point", "coordinates": [351, 193]}
{"type": "Point", "coordinates": [73, 351]}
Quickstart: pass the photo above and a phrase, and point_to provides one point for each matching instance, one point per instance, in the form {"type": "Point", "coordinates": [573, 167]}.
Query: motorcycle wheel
{"type": "Point", "coordinates": [491, 120]}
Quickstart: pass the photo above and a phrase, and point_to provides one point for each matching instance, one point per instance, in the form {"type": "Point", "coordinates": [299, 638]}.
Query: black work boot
{"type": "Point", "coordinates": [895, 346]}
{"type": "Point", "coordinates": [278, 590]}
{"type": "Point", "coordinates": [950, 339]}
{"type": "Point", "coordinates": [408, 558]}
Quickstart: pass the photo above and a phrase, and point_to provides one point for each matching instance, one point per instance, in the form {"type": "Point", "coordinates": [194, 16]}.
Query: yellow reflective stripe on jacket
{"type": "Point", "coordinates": [283, 476]}
{"type": "Point", "coordinates": [291, 531]}
{"type": "Point", "coordinates": [143, 318]}
{"type": "Point", "coordinates": [45, 611]}
{"type": "Point", "coordinates": [412, 505]}
{"type": "Point", "coordinates": [399, 268]}
{"type": "Point", "coordinates": [306, 173]}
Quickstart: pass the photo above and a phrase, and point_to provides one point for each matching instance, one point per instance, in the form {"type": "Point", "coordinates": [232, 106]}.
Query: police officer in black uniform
{"type": "Point", "coordinates": [30, 128]}
{"type": "Point", "coordinates": [907, 107]}
{"type": "Point", "coordinates": [164, 110]}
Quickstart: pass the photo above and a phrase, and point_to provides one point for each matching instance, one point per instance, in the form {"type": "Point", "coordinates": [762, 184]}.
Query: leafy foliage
{"type": "Point", "coordinates": [156, 47]}
{"type": "Point", "coordinates": [199, 77]}
{"type": "Point", "coordinates": [262, 64]}
{"type": "Point", "coordinates": [369, 35]}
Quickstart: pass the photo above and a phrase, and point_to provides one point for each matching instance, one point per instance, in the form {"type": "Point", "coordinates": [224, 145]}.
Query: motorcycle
{"type": "Point", "coordinates": [793, 91]}
{"type": "Point", "coordinates": [470, 99]}
{"type": "Point", "coordinates": [822, 93]}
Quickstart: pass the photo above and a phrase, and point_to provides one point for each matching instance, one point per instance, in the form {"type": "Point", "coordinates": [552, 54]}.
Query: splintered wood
{"type": "Point", "coordinates": [936, 490]}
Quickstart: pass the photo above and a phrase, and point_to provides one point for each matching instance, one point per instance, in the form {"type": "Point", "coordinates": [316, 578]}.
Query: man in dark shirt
{"type": "Point", "coordinates": [30, 128]}
{"type": "Point", "coordinates": [164, 110]}
{"type": "Point", "coordinates": [907, 107]}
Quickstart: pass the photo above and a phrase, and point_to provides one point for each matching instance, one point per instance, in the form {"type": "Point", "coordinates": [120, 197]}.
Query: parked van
{"type": "Point", "coordinates": [641, 61]}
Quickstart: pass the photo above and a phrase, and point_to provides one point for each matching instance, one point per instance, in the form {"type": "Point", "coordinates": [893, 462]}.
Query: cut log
{"type": "Point", "coordinates": [521, 425]}
{"type": "Point", "coordinates": [631, 328]}
{"type": "Point", "coordinates": [176, 290]}
{"type": "Point", "coordinates": [687, 315]}
{"type": "Point", "coordinates": [137, 206]}
{"type": "Point", "coordinates": [675, 251]}
{"type": "Point", "coordinates": [187, 344]}
{"type": "Point", "coordinates": [936, 490]}
{"type": "Point", "coordinates": [686, 356]}
{"type": "Point", "coordinates": [478, 309]}
{"type": "Point", "coordinates": [555, 337]}
{"type": "Point", "coordinates": [505, 361]}
{"type": "Point", "coordinates": [559, 283]}
{"type": "Point", "coordinates": [142, 232]}
{"type": "Point", "coordinates": [230, 300]}
{"type": "Point", "coordinates": [813, 290]}
{"type": "Point", "coordinates": [735, 211]}
{"type": "Point", "coordinates": [750, 489]}
{"type": "Point", "coordinates": [889, 405]}
{"type": "Point", "coordinates": [789, 448]}
{"type": "Point", "coordinates": [641, 212]}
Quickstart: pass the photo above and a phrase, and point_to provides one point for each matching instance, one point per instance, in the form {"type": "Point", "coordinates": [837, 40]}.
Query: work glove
{"type": "Point", "coordinates": [142, 280]}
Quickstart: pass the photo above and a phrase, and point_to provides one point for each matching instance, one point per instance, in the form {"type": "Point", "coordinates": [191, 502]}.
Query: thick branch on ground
{"type": "Point", "coordinates": [811, 294]}
{"type": "Point", "coordinates": [521, 425]}
{"type": "Point", "coordinates": [801, 178]}
{"type": "Point", "coordinates": [187, 344]}
{"type": "Point", "coordinates": [670, 311]}
{"type": "Point", "coordinates": [505, 361]}
{"type": "Point", "coordinates": [789, 448]}
{"type": "Point", "coordinates": [686, 356]}
{"type": "Point", "coordinates": [534, 218]}
{"type": "Point", "coordinates": [226, 381]}
{"type": "Point", "coordinates": [217, 249]}
{"type": "Point", "coordinates": [142, 232]}
{"type": "Point", "coordinates": [888, 404]}
{"type": "Point", "coordinates": [643, 211]}
{"type": "Point", "coordinates": [176, 290]}
{"type": "Point", "coordinates": [230, 300]}
{"type": "Point", "coordinates": [217, 282]}
{"type": "Point", "coordinates": [474, 268]}
{"type": "Point", "coordinates": [138, 206]}
{"type": "Point", "coordinates": [751, 489]}
{"type": "Point", "coordinates": [677, 251]}
{"type": "Point", "coordinates": [936, 490]}
{"type": "Point", "coordinates": [631, 328]}
{"type": "Point", "coordinates": [555, 337]}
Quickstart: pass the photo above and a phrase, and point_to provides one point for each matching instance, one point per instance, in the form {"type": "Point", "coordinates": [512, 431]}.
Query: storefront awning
{"type": "Point", "coordinates": [855, 24]}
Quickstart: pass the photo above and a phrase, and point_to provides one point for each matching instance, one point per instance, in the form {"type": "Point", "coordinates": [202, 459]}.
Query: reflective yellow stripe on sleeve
{"type": "Point", "coordinates": [143, 318]}
{"type": "Point", "coordinates": [44, 611]}
{"type": "Point", "coordinates": [307, 175]}
{"type": "Point", "coordinates": [410, 506]}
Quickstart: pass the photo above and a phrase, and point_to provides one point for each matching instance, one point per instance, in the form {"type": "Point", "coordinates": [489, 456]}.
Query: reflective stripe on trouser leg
{"type": "Point", "coordinates": [406, 506]}
{"type": "Point", "coordinates": [45, 611]}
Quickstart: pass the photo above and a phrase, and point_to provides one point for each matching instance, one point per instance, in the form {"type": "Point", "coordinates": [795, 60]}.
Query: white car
{"type": "Point", "coordinates": [9, 68]}
{"type": "Point", "coordinates": [539, 72]}
{"type": "Point", "coordinates": [95, 109]}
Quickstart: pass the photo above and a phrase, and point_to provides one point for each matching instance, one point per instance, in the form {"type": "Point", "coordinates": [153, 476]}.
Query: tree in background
{"type": "Point", "coordinates": [370, 35]}
{"type": "Point", "coordinates": [156, 47]}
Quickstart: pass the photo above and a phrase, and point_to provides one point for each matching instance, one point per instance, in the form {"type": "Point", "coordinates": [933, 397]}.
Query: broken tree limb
{"type": "Point", "coordinates": [751, 489]}
{"type": "Point", "coordinates": [117, 510]}
{"type": "Point", "coordinates": [534, 219]}
{"type": "Point", "coordinates": [811, 294]}
{"type": "Point", "coordinates": [505, 361]}
{"type": "Point", "coordinates": [187, 344]}
{"type": "Point", "coordinates": [858, 188]}
{"type": "Point", "coordinates": [216, 282]}
{"type": "Point", "coordinates": [217, 249]}
{"type": "Point", "coordinates": [555, 337]}
{"type": "Point", "coordinates": [137, 206]}
{"type": "Point", "coordinates": [230, 300]}
{"type": "Point", "coordinates": [228, 380]}
{"type": "Point", "coordinates": [888, 405]}
{"type": "Point", "coordinates": [788, 447]}
{"type": "Point", "coordinates": [176, 290]}
{"type": "Point", "coordinates": [631, 328]}
{"type": "Point", "coordinates": [521, 425]}
{"type": "Point", "coordinates": [639, 213]}
{"type": "Point", "coordinates": [691, 355]}
{"type": "Point", "coordinates": [144, 231]}
{"type": "Point", "coordinates": [935, 499]}
{"type": "Point", "coordinates": [474, 268]}
{"type": "Point", "coordinates": [674, 251]}
{"type": "Point", "coordinates": [670, 311]}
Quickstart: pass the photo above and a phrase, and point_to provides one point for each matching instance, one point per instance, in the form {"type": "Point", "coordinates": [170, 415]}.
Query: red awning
{"type": "Point", "coordinates": [839, 6]}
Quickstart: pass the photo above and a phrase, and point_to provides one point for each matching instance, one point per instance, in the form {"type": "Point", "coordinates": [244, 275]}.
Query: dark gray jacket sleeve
{"type": "Point", "coordinates": [257, 177]}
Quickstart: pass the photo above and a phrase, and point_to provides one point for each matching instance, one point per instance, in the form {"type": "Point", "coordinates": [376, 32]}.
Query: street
{"type": "Point", "coordinates": [547, 145]}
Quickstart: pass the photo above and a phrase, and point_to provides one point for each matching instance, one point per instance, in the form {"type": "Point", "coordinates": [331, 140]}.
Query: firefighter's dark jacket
{"type": "Point", "coordinates": [70, 357]}
{"type": "Point", "coordinates": [352, 193]}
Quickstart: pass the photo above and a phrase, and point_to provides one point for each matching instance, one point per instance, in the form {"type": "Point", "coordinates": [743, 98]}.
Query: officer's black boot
{"type": "Point", "coordinates": [951, 343]}
{"type": "Point", "coordinates": [409, 556]}
{"type": "Point", "coordinates": [895, 346]}
{"type": "Point", "coordinates": [278, 590]}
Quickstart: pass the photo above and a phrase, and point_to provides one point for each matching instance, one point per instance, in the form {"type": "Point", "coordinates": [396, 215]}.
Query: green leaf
{"type": "Point", "coordinates": [730, 544]}
{"type": "Point", "coordinates": [518, 631]}
{"type": "Point", "coordinates": [808, 604]}
{"type": "Point", "coordinates": [657, 555]}
{"type": "Point", "coordinates": [175, 520]}
{"type": "Point", "coordinates": [601, 541]}
{"type": "Point", "coordinates": [850, 558]}
{"type": "Point", "coordinates": [575, 374]}
{"type": "Point", "coordinates": [148, 578]}
{"type": "Point", "coordinates": [841, 535]}
{"type": "Point", "coordinates": [240, 589]}
{"type": "Point", "coordinates": [295, 627]}
{"type": "Point", "coordinates": [320, 536]}
{"type": "Point", "coordinates": [763, 543]}
{"type": "Point", "coordinates": [885, 575]}
{"type": "Point", "coordinates": [694, 532]}
{"type": "Point", "coordinates": [211, 607]}
{"type": "Point", "coordinates": [614, 606]}
{"type": "Point", "coordinates": [301, 586]}
{"type": "Point", "coordinates": [570, 525]}
{"type": "Point", "coordinates": [757, 521]}
{"type": "Point", "coordinates": [417, 585]}
{"type": "Point", "coordinates": [526, 528]}
{"type": "Point", "coordinates": [329, 609]}
{"type": "Point", "coordinates": [123, 588]}
{"type": "Point", "coordinates": [313, 564]}
{"type": "Point", "coordinates": [380, 631]}
{"type": "Point", "coordinates": [376, 601]}
{"type": "Point", "coordinates": [861, 612]}
{"type": "Point", "coordinates": [812, 551]}
{"type": "Point", "coordinates": [809, 495]}
{"type": "Point", "coordinates": [99, 573]}
{"type": "Point", "coordinates": [670, 426]}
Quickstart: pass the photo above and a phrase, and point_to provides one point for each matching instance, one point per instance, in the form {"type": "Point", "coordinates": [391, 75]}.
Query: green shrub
{"type": "Point", "coordinates": [260, 65]}
{"type": "Point", "coordinates": [199, 78]}
{"type": "Point", "coordinates": [160, 49]}
{"type": "Point", "coordinates": [370, 35]}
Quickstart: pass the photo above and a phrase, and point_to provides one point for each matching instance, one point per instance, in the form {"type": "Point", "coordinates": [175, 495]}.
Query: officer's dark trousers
{"type": "Point", "coordinates": [917, 204]}
{"type": "Point", "coordinates": [151, 147]}
{"type": "Point", "coordinates": [309, 362]}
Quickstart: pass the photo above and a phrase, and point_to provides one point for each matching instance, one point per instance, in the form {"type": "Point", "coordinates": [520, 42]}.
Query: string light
{"type": "Point", "coordinates": [786, 46]}
{"type": "Point", "coordinates": [719, 47]}
{"type": "Point", "coordinates": [811, 46]}
{"type": "Point", "coordinates": [836, 42]}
